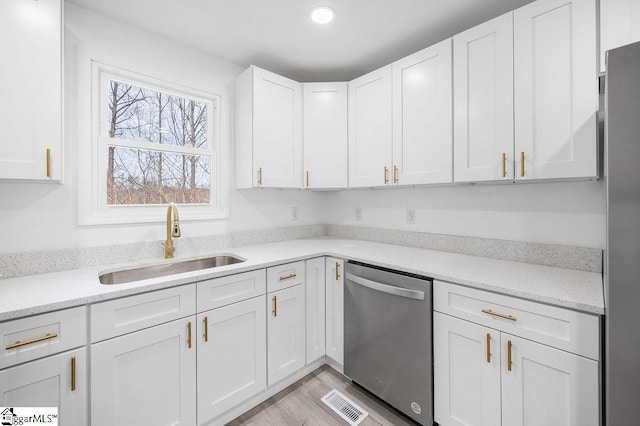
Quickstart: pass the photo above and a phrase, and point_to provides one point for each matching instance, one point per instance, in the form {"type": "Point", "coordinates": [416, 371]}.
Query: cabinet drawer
{"type": "Point", "coordinates": [564, 329]}
{"type": "Point", "coordinates": [42, 335]}
{"type": "Point", "coordinates": [121, 316]}
{"type": "Point", "coordinates": [284, 276]}
{"type": "Point", "coordinates": [226, 290]}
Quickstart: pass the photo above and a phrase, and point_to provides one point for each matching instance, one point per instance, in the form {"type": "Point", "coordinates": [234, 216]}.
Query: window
{"type": "Point", "coordinates": [154, 142]}
{"type": "Point", "coordinates": [157, 145]}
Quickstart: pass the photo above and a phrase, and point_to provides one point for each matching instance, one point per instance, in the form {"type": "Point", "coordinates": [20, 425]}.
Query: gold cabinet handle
{"type": "Point", "coordinates": [509, 362]}
{"type": "Point", "coordinates": [337, 271]}
{"type": "Point", "coordinates": [73, 373]}
{"type": "Point", "coordinates": [206, 329]}
{"type": "Point", "coordinates": [522, 164]}
{"type": "Point", "coordinates": [29, 342]}
{"type": "Point", "coordinates": [307, 178]}
{"type": "Point", "coordinates": [288, 277]}
{"type": "Point", "coordinates": [189, 334]}
{"type": "Point", "coordinates": [386, 175]}
{"type": "Point", "coordinates": [395, 174]}
{"type": "Point", "coordinates": [504, 164]}
{"type": "Point", "coordinates": [260, 176]}
{"type": "Point", "coordinates": [488, 348]}
{"type": "Point", "coordinates": [275, 306]}
{"type": "Point", "coordinates": [48, 162]}
{"type": "Point", "coordinates": [499, 315]}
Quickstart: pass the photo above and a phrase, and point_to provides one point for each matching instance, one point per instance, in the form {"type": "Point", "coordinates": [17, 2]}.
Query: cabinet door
{"type": "Point", "coordinates": [422, 117]}
{"type": "Point", "coordinates": [277, 129]}
{"type": "Point", "coordinates": [146, 378]}
{"type": "Point", "coordinates": [466, 373]}
{"type": "Point", "coordinates": [315, 308]}
{"type": "Point", "coordinates": [49, 382]}
{"type": "Point", "coordinates": [285, 332]}
{"type": "Point", "coordinates": [335, 309]}
{"type": "Point", "coordinates": [556, 92]}
{"type": "Point", "coordinates": [619, 25]}
{"type": "Point", "coordinates": [547, 386]}
{"type": "Point", "coordinates": [370, 124]}
{"type": "Point", "coordinates": [232, 356]}
{"type": "Point", "coordinates": [325, 135]}
{"type": "Point", "coordinates": [31, 107]}
{"type": "Point", "coordinates": [483, 101]}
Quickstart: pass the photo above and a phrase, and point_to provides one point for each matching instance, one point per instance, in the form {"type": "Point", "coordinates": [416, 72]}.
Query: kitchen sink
{"type": "Point", "coordinates": [155, 271]}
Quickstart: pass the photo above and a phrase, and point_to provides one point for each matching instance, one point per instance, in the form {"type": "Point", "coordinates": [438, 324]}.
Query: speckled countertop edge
{"type": "Point", "coordinates": [578, 290]}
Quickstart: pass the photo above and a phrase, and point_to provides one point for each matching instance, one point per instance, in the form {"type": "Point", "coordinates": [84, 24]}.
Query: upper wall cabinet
{"type": "Point", "coordinates": [325, 135]}
{"type": "Point", "coordinates": [370, 128]}
{"type": "Point", "coordinates": [556, 92]}
{"type": "Point", "coordinates": [619, 25]}
{"type": "Point", "coordinates": [483, 99]}
{"type": "Point", "coordinates": [268, 130]}
{"type": "Point", "coordinates": [31, 93]}
{"type": "Point", "coordinates": [422, 117]}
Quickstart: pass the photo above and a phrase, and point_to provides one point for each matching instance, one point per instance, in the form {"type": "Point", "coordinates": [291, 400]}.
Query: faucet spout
{"type": "Point", "coordinates": [173, 230]}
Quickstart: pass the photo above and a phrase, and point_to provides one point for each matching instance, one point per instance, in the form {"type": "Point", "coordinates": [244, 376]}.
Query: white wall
{"type": "Point", "coordinates": [44, 216]}
{"type": "Point", "coordinates": [568, 213]}
{"type": "Point", "coordinates": [39, 216]}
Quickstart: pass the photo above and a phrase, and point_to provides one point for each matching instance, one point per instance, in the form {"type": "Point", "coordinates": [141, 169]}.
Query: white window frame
{"type": "Point", "coordinates": [92, 192]}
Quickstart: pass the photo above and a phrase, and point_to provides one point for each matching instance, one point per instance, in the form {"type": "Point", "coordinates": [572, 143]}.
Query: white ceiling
{"type": "Point", "coordinates": [278, 34]}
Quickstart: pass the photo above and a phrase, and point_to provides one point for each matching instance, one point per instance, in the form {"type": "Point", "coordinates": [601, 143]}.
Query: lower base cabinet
{"type": "Point", "coordinates": [146, 378]}
{"type": "Point", "coordinates": [466, 373]}
{"type": "Point", "coordinates": [55, 381]}
{"type": "Point", "coordinates": [315, 308]}
{"type": "Point", "coordinates": [285, 332]}
{"type": "Point", "coordinates": [335, 309]}
{"type": "Point", "coordinates": [483, 376]}
{"type": "Point", "coordinates": [232, 356]}
{"type": "Point", "coordinates": [547, 386]}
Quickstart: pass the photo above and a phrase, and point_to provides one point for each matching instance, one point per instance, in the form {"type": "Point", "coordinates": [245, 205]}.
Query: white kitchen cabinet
{"type": "Point", "coordinates": [285, 332]}
{"type": "Point", "coordinates": [31, 107]}
{"type": "Point", "coordinates": [546, 386]}
{"type": "Point", "coordinates": [55, 381]}
{"type": "Point", "coordinates": [483, 101]}
{"type": "Point", "coordinates": [232, 356]}
{"type": "Point", "coordinates": [507, 373]}
{"type": "Point", "coordinates": [42, 335]}
{"type": "Point", "coordinates": [335, 309]}
{"type": "Point", "coordinates": [268, 130]}
{"type": "Point", "coordinates": [325, 135]}
{"type": "Point", "coordinates": [556, 89]}
{"type": "Point", "coordinates": [146, 377]}
{"type": "Point", "coordinates": [619, 25]}
{"type": "Point", "coordinates": [422, 117]}
{"type": "Point", "coordinates": [315, 308]}
{"type": "Point", "coordinates": [128, 314]}
{"type": "Point", "coordinates": [466, 377]}
{"type": "Point", "coordinates": [370, 129]}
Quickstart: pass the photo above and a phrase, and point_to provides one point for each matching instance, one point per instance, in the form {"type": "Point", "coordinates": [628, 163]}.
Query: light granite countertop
{"type": "Point", "coordinates": [578, 290]}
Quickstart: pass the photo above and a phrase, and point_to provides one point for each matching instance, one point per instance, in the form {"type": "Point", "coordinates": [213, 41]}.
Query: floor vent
{"type": "Point", "coordinates": [345, 408]}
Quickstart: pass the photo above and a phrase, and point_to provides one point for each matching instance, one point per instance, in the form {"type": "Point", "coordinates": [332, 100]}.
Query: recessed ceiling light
{"type": "Point", "coordinates": [322, 15]}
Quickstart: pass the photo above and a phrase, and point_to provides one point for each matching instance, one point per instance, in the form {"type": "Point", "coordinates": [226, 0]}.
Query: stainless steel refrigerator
{"type": "Point", "coordinates": [622, 255]}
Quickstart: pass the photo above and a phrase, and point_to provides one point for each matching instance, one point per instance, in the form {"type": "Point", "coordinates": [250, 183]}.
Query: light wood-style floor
{"type": "Point", "coordinates": [300, 404]}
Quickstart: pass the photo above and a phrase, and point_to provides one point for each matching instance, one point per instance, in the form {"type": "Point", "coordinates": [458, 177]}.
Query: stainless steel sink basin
{"type": "Point", "coordinates": [155, 271]}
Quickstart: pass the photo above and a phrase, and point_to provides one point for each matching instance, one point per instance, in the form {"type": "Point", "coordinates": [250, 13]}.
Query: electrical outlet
{"type": "Point", "coordinates": [358, 213]}
{"type": "Point", "coordinates": [294, 213]}
{"type": "Point", "coordinates": [411, 216]}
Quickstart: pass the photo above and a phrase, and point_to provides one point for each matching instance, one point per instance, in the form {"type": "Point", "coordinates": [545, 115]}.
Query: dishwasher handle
{"type": "Point", "coordinates": [385, 288]}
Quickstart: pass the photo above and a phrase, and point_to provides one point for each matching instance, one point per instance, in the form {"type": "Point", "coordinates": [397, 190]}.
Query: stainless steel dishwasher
{"type": "Point", "coordinates": [388, 337]}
